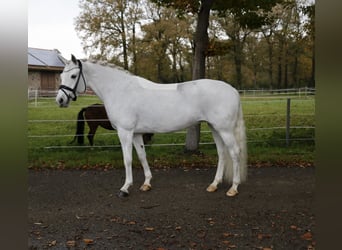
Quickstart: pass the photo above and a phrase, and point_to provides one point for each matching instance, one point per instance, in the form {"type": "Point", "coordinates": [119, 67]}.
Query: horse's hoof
{"type": "Point", "coordinates": [122, 194]}
{"type": "Point", "coordinates": [232, 192]}
{"type": "Point", "coordinates": [211, 188]}
{"type": "Point", "coordinates": [145, 187]}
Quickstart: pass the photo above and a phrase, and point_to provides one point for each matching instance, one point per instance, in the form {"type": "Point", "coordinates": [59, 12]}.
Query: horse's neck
{"type": "Point", "coordinates": [103, 80]}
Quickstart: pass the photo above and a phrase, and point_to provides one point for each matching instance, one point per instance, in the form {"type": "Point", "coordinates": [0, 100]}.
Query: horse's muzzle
{"type": "Point", "coordinates": [62, 104]}
{"type": "Point", "coordinates": [62, 100]}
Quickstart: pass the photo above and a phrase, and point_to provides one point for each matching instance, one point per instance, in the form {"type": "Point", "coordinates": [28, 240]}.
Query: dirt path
{"type": "Point", "coordinates": [80, 210]}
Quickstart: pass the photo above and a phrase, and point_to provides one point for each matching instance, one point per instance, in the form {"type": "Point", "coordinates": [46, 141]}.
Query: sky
{"type": "Point", "coordinates": [51, 25]}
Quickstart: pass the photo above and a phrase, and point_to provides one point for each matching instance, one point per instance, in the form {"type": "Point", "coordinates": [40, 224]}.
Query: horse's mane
{"type": "Point", "coordinates": [106, 64]}
{"type": "Point", "coordinates": [142, 82]}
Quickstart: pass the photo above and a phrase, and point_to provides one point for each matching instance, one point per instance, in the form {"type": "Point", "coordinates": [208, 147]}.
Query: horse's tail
{"type": "Point", "coordinates": [80, 127]}
{"type": "Point", "coordinates": [240, 137]}
{"type": "Point", "coordinates": [240, 134]}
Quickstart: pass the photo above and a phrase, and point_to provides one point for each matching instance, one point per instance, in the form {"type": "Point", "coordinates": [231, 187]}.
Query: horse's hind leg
{"type": "Point", "coordinates": [234, 150]}
{"type": "Point", "coordinates": [90, 137]}
{"type": "Point", "coordinates": [91, 134]}
{"type": "Point", "coordinates": [140, 149]}
{"type": "Point", "coordinates": [221, 151]}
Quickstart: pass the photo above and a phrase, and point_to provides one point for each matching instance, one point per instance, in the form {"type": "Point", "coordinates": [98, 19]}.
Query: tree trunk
{"type": "Point", "coordinates": [201, 44]}
{"type": "Point", "coordinates": [270, 65]}
{"type": "Point", "coordinates": [280, 64]}
{"type": "Point", "coordinates": [270, 57]}
{"type": "Point", "coordinates": [124, 40]}
{"type": "Point", "coordinates": [313, 63]}
{"type": "Point", "coordinates": [286, 65]}
{"type": "Point", "coordinates": [174, 64]}
{"type": "Point", "coordinates": [237, 48]}
{"type": "Point", "coordinates": [238, 65]}
{"type": "Point", "coordinates": [134, 50]}
{"type": "Point", "coordinates": [279, 73]}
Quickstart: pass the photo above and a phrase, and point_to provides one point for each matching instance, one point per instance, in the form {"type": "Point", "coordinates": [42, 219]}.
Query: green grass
{"type": "Point", "coordinates": [50, 129]}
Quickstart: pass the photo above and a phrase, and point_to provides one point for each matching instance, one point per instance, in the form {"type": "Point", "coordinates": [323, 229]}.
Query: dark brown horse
{"type": "Point", "coordinates": [95, 115]}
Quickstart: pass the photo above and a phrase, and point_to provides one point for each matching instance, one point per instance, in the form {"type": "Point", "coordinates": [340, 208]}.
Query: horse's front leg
{"type": "Point", "coordinates": [126, 138]}
{"type": "Point", "coordinates": [140, 148]}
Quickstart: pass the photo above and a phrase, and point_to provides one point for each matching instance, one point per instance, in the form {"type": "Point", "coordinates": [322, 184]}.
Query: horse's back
{"type": "Point", "coordinates": [207, 92]}
{"type": "Point", "coordinates": [208, 85]}
{"type": "Point", "coordinates": [149, 85]}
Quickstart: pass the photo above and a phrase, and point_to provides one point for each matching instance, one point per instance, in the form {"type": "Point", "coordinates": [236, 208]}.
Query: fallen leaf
{"type": "Point", "coordinates": [211, 221]}
{"type": "Point", "coordinates": [52, 243]}
{"type": "Point", "coordinates": [227, 234]}
{"type": "Point", "coordinates": [88, 241]}
{"type": "Point", "coordinates": [71, 243]}
{"type": "Point", "coordinates": [262, 236]}
{"type": "Point", "coordinates": [307, 236]}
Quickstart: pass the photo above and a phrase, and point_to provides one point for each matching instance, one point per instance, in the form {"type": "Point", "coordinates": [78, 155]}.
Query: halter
{"type": "Point", "coordinates": [73, 90]}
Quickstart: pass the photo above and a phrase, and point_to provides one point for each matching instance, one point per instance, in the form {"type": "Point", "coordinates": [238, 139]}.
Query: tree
{"type": "Point", "coordinates": [237, 35]}
{"type": "Point", "coordinates": [254, 58]}
{"type": "Point", "coordinates": [268, 35]}
{"type": "Point", "coordinates": [310, 29]}
{"type": "Point", "coordinates": [164, 45]}
{"type": "Point", "coordinates": [105, 27]}
{"type": "Point", "coordinates": [285, 36]}
{"type": "Point", "coordinates": [135, 14]}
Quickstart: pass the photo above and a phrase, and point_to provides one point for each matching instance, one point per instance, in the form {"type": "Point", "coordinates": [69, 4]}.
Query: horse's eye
{"type": "Point", "coordinates": [73, 76]}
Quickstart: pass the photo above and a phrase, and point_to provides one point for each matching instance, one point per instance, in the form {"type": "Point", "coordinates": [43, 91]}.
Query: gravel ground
{"type": "Point", "coordinates": [79, 209]}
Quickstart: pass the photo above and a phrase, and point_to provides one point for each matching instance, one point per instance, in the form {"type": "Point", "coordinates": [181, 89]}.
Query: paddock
{"type": "Point", "coordinates": [78, 209]}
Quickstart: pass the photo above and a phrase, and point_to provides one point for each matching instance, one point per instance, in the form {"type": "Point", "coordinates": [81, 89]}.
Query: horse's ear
{"type": "Point", "coordinates": [73, 59]}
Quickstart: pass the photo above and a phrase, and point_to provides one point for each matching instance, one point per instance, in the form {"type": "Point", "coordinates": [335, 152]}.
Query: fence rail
{"type": "Point", "coordinates": [285, 127]}
{"type": "Point", "coordinates": [305, 91]}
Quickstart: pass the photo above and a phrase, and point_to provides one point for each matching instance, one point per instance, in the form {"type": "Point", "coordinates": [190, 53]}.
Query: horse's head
{"type": "Point", "coordinates": [72, 82]}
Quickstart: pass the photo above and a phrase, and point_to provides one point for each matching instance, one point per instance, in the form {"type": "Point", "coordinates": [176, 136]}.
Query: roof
{"type": "Point", "coordinates": [44, 59]}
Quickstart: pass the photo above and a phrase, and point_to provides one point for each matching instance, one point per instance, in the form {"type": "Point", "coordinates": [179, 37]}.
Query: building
{"type": "Point", "coordinates": [44, 68]}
